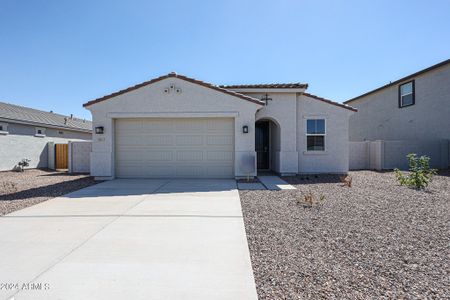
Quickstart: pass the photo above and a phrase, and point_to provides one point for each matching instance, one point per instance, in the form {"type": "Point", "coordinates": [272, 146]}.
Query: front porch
{"type": "Point", "coordinates": [270, 157]}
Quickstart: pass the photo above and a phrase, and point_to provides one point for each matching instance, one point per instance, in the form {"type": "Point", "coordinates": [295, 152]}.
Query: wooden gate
{"type": "Point", "coordinates": [62, 156]}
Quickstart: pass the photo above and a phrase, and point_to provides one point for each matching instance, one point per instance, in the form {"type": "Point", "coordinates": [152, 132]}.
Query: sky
{"type": "Point", "coordinates": [57, 54]}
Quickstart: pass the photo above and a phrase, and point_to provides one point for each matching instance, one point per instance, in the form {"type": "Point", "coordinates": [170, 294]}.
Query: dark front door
{"type": "Point", "coordinates": [262, 145]}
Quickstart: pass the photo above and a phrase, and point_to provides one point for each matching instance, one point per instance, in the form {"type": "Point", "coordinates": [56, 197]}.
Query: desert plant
{"type": "Point", "coordinates": [24, 163]}
{"type": "Point", "coordinates": [346, 180]}
{"type": "Point", "coordinates": [310, 200]}
{"type": "Point", "coordinates": [420, 172]}
{"type": "Point", "coordinates": [7, 187]}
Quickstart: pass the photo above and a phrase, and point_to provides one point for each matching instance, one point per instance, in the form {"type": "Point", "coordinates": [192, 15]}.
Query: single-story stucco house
{"type": "Point", "coordinates": [26, 132]}
{"type": "Point", "coordinates": [176, 126]}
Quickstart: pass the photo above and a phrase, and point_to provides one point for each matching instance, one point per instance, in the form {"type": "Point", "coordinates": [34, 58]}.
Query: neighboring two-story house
{"type": "Point", "coordinates": [414, 111]}
{"type": "Point", "coordinates": [26, 132]}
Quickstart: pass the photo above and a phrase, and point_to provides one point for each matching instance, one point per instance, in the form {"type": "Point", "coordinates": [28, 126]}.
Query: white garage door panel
{"type": "Point", "coordinates": [197, 148]}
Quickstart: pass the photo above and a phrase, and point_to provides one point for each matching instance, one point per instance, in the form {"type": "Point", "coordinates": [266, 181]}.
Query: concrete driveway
{"type": "Point", "coordinates": [129, 239]}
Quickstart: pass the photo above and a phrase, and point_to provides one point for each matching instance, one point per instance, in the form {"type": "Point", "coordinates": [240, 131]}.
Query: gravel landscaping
{"type": "Point", "coordinates": [22, 189]}
{"type": "Point", "coordinates": [373, 240]}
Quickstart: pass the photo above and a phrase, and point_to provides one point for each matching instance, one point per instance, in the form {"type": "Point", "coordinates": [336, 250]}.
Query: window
{"type": "Point", "coordinates": [39, 131]}
{"type": "Point", "coordinates": [406, 95]}
{"type": "Point", "coordinates": [315, 135]}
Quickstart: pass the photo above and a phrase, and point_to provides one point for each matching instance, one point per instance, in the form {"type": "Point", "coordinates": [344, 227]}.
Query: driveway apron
{"type": "Point", "coordinates": [129, 238]}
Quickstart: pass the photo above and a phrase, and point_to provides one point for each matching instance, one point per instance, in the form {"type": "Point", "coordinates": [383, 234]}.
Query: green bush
{"type": "Point", "coordinates": [420, 173]}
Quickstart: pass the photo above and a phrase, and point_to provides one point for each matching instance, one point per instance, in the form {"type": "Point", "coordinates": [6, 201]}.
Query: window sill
{"type": "Point", "coordinates": [408, 105]}
{"type": "Point", "coordinates": [2, 132]}
{"type": "Point", "coordinates": [39, 135]}
{"type": "Point", "coordinates": [315, 152]}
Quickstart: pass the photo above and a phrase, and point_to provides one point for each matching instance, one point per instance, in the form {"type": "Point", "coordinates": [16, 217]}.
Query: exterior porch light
{"type": "Point", "coordinates": [245, 129]}
{"type": "Point", "coordinates": [99, 130]}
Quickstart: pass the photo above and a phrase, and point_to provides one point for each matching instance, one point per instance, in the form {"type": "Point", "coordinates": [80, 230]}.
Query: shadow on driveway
{"type": "Point", "coordinates": [50, 191]}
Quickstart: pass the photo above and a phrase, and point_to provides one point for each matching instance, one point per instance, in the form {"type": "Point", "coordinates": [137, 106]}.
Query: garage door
{"type": "Point", "coordinates": [175, 148]}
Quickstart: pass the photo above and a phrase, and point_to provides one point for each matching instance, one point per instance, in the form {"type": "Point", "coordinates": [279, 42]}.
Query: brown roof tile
{"type": "Point", "coordinates": [175, 75]}
{"type": "Point", "coordinates": [330, 102]}
{"type": "Point", "coordinates": [295, 85]}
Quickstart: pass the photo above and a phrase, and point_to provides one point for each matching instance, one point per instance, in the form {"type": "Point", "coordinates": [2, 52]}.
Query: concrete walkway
{"type": "Point", "coordinates": [275, 183]}
{"type": "Point", "coordinates": [130, 239]}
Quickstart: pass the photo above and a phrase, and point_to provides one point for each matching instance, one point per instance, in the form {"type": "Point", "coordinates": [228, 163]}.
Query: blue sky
{"type": "Point", "coordinates": [56, 55]}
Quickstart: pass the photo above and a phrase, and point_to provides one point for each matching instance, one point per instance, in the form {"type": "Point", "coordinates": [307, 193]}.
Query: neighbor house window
{"type": "Point", "coordinates": [315, 135]}
{"type": "Point", "coordinates": [406, 95]}
{"type": "Point", "coordinates": [40, 131]}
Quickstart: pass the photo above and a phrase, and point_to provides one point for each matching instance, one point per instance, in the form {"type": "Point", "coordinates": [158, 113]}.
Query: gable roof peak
{"type": "Point", "coordinates": [182, 77]}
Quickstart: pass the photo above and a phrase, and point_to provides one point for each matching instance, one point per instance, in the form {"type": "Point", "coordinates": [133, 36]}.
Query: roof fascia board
{"type": "Point", "coordinates": [180, 77]}
{"type": "Point", "coordinates": [267, 90]}
{"type": "Point", "coordinates": [401, 80]}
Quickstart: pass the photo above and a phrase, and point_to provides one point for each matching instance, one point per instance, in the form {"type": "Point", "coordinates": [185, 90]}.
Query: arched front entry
{"type": "Point", "coordinates": [267, 144]}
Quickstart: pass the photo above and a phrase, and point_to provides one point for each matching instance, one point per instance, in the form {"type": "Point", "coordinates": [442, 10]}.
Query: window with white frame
{"type": "Point", "coordinates": [406, 94]}
{"type": "Point", "coordinates": [40, 131]}
{"type": "Point", "coordinates": [315, 135]}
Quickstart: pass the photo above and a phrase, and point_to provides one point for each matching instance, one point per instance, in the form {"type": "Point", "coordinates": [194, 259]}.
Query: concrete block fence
{"type": "Point", "coordinates": [388, 155]}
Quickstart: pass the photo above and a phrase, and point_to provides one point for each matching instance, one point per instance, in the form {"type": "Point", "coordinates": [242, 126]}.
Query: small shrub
{"type": "Point", "coordinates": [311, 200]}
{"type": "Point", "coordinates": [23, 163]}
{"type": "Point", "coordinates": [7, 187]}
{"type": "Point", "coordinates": [420, 172]}
{"type": "Point", "coordinates": [346, 180]}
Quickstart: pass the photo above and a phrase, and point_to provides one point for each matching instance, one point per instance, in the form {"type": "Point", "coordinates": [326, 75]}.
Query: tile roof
{"type": "Point", "coordinates": [34, 116]}
{"type": "Point", "coordinates": [294, 85]}
{"type": "Point", "coordinates": [175, 75]}
{"type": "Point", "coordinates": [330, 102]}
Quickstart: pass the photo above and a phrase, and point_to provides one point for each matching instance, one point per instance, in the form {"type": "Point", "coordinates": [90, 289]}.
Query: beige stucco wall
{"type": "Point", "coordinates": [290, 111]}
{"type": "Point", "coordinates": [380, 118]}
{"type": "Point", "coordinates": [79, 156]}
{"type": "Point", "coordinates": [335, 158]}
{"type": "Point", "coordinates": [151, 101]}
{"type": "Point", "coordinates": [282, 110]}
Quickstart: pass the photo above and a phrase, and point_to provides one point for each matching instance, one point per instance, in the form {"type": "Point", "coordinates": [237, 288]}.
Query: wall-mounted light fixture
{"type": "Point", "coordinates": [99, 130]}
{"type": "Point", "coordinates": [245, 129]}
